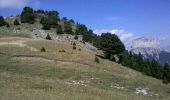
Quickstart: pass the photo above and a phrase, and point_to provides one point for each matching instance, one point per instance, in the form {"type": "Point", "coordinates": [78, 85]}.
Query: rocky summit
{"type": "Point", "coordinates": [150, 49]}
{"type": "Point", "coordinates": [145, 43]}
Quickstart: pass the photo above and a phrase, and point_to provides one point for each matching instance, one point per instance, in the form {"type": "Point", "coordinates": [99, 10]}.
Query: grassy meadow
{"type": "Point", "coordinates": [26, 73]}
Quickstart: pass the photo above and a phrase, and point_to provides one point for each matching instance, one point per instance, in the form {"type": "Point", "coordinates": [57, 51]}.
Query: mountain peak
{"type": "Point", "coordinates": [150, 49]}
{"type": "Point", "coordinates": [144, 42]}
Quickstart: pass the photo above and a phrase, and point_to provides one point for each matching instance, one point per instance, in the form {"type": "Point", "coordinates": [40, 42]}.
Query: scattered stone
{"type": "Point", "coordinates": [143, 91]}
{"type": "Point", "coordinates": [146, 92]}
{"type": "Point", "coordinates": [117, 86]}
{"type": "Point", "coordinates": [78, 83]}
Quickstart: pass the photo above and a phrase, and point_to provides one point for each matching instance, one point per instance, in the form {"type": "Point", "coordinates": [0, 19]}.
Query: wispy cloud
{"type": "Point", "coordinates": [17, 4]}
{"type": "Point", "coordinates": [125, 36]}
{"type": "Point", "coordinates": [113, 18]}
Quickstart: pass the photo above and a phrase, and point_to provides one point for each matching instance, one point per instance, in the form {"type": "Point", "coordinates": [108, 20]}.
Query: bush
{"type": "Point", "coordinates": [43, 49]}
{"type": "Point", "coordinates": [50, 20]}
{"type": "Point", "coordinates": [48, 37]}
{"type": "Point", "coordinates": [76, 37]}
{"type": "Point", "coordinates": [59, 30]}
{"type": "Point", "coordinates": [79, 49]}
{"type": "Point", "coordinates": [96, 60]}
{"type": "Point", "coordinates": [46, 26]}
{"type": "Point", "coordinates": [67, 28]}
{"type": "Point", "coordinates": [62, 51]}
{"type": "Point", "coordinates": [7, 25]}
{"type": "Point", "coordinates": [165, 81]}
{"type": "Point", "coordinates": [45, 23]}
{"type": "Point", "coordinates": [16, 22]}
{"type": "Point", "coordinates": [74, 46]}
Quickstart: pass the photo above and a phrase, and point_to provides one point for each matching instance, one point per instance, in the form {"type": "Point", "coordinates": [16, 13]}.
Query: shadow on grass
{"type": "Point", "coordinates": [102, 57]}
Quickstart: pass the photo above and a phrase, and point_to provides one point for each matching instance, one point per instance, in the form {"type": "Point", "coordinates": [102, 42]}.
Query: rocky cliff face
{"type": "Point", "coordinates": [145, 42]}
{"type": "Point", "coordinates": [150, 49]}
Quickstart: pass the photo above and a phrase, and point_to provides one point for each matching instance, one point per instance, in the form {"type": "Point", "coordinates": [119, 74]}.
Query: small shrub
{"type": "Point", "coordinates": [59, 30]}
{"type": "Point", "coordinates": [62, 51]}
{"type": "Point", "coordinates": [74, 46]}
{"type": "Point", "coordinates": [76, 37]}
{"type": "Point", "coordinates": [43, 49]}
{"type": "Point", "coordinates": [16, 22]}
{"type": "Point", "coordinates": [74, 43]}
{"type": "Point", "coordinates": [79, 49]}
{"type": "Point", "coordinates": [165, 81]}
{"type": "Point", "coordinates": [96, 60]}
{"type": "Point", "coordinates": [7, 25]}
{"type": "Point", "coordinates": [46, 26]}
{"type": "Point", "coordinates": [48, 37]}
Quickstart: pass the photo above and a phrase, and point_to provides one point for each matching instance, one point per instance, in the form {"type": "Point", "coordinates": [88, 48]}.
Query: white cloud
{"type": "Point", "coordinates": [12, 3]}
{"type": "Point", "coordinates": [17, 4]}
{"type": "Point", "coordinates": [125, 36]}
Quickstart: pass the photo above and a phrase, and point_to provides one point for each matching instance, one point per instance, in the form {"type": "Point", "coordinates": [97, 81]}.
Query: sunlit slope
{"type": "Point", "coordinates": [62, 73]}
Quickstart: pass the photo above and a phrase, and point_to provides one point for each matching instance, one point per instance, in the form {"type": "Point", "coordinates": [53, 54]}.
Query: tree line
{"type": "Point", "coordinates": [150, 68]}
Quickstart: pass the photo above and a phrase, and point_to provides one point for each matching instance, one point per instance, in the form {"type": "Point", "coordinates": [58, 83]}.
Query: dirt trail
{"type": "Point", "coordinates": [41, 58]}
{"type": "Point", "coordinates": [19, 43]}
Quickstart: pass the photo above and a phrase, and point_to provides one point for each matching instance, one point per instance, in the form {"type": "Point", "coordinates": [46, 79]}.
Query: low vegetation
{"type": "Point", "coordinates": [43, 49]}
{"type": "Point", "coordinates": [26, 74]}
{"type": "Point", "coordinates": [59, 30]}
{"type": "Point", "coordinates": [62, 50]}
{"type": "Point", "coordinates": [2, 21]}
{"type": "Point", "coordinates": [74, 46]}
{"type": "Point", "coordinates": [48, 37]}
{"type": "Point", "coordinates": [16, 22]}
{"type": "Point", "coordinates": [76, 37]}
{"type": "Point", "coordinates": [96, 59]}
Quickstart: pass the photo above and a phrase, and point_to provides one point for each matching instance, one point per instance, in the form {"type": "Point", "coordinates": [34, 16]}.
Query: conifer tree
{"type": "Point", "coordinates": [59, 30]}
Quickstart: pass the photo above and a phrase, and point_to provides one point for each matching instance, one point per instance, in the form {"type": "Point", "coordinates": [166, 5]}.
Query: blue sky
{"type": "Point", "coordinates": [129, 19]}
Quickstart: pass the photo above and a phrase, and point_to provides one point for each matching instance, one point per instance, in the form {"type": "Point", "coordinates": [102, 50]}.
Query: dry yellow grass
{"type": "Point", "coordinates": [69, 75]}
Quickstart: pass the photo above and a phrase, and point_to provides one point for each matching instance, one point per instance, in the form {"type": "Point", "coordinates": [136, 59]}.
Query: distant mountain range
{"type": "Point", "coordinates": [150, 49]}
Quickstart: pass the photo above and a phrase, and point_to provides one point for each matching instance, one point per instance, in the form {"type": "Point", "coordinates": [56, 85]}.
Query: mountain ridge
{"type": "Point", "coordinates": [150, 49]}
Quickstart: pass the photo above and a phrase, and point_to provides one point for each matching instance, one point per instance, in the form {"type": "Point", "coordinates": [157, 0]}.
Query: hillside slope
{"type": "Point", "coordinates": [62, 73]}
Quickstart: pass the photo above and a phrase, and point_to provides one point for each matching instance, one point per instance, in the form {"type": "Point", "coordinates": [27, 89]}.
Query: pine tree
{"type": "Point", "coordinates": [156, 70]}
{"type": "Point", "coordinates": [27, 15]}
{"type": "Point", "coordinates": [67, 28]}
{"type": "Point", "coordinates": [2, 21]}
{"type": "Point", "coordinates": [59, 30]}
{"type": "Point", "coordinates": [110, 44]}
{"type": "Point", "coordinates": [166, 73]}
